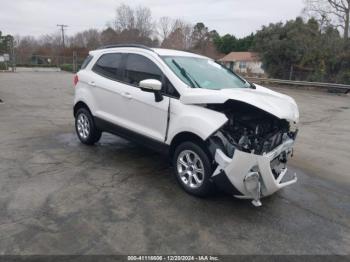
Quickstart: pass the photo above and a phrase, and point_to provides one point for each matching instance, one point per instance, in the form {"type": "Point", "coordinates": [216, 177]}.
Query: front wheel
{"type": "Point", "coordinates": [85, 127]}
{"type": "Point", "coordinates": [193, 169]}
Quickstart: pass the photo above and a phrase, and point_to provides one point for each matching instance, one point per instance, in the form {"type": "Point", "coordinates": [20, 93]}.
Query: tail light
{"type": "Point", "coordinates": [75, 80]}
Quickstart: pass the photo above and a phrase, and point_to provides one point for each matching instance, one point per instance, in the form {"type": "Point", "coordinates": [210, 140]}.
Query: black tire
{"type": "Point", "coordinates": [93, 135]}
{"type": "Point", "coordinates": [202, 189]}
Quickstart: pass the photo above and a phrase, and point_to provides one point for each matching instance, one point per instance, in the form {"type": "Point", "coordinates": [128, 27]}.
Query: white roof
{"type": "Point", "coordinates": [172, 52]}
{"type": "Point", "coordinates": [159, 51]}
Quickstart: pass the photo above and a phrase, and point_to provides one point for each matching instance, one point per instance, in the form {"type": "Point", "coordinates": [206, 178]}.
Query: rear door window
{"type": "Point", "coordinates": [109, 65]}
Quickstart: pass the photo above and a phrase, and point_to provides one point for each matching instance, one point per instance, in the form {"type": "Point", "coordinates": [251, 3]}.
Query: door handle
{"type": "Point", "coordinates": [92, 83]}
{"type": "Point", "coordinates": [127, 95]}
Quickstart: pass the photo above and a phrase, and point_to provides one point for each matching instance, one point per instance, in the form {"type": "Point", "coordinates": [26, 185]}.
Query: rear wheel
{"type": "Point", "coordinates": [85, 127]}
{"type": "Point", "coordinates": [193, 169]}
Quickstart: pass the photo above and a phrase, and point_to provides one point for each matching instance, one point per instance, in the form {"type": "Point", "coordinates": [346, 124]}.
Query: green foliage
{"type": "Point", "coordinates": [229, 43]}
{"type": "Point", "coordinates": [3, 66]}
{"type": "Point", "coordinates": [67, 67]}
{"type": "Point", "coordinates": [342, 65]}
{"type": "Point", "coordinates": [312, 54]}
{"type": "Point", "coordinates": [5, 43]}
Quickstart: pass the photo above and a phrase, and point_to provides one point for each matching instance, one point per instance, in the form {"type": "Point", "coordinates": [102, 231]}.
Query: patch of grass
{"type": "Point", "coordinates": [67, 67]}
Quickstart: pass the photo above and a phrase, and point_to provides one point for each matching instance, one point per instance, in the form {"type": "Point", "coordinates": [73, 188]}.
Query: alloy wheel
{"type": "Point", "coordinates": [190, 169]}
{"type": "Point", "coordinates": [83, 126]}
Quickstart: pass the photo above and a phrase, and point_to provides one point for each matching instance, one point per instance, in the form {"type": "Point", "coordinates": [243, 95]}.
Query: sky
{"type": "Point", "coordinates": [237, 17]}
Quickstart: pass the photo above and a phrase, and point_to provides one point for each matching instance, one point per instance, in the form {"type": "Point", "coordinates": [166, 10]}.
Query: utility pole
{"type": "Point", "coordinates": [60, 61]}
{"type": "Point", "coordinates": [62, 31]}
{"type": "Point", "coordinates": [12, 54]}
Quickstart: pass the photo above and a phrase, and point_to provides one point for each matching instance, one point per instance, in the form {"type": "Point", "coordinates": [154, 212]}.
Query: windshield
{"type": "Point", "coordinates": [204, 73]}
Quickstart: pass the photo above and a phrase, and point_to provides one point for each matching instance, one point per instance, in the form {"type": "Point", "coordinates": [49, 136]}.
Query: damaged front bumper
{"type": "Point", "coordinates": [252, 176]}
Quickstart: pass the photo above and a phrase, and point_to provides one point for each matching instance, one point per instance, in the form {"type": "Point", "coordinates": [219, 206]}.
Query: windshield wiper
{"type": "Point", "coordinates": [250, 85]}
{"type": "Point", "coordinates": [192, 81]}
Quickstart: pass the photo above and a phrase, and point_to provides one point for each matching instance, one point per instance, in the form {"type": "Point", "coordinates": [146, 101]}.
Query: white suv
{"type": "Point", "coordinates": [217, 127]}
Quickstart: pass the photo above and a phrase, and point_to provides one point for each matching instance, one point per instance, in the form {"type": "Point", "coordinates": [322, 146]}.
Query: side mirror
{"type": "Point", "coordinates": [154, 86]}
{"type": "Point", "coordinates": [150, 85]}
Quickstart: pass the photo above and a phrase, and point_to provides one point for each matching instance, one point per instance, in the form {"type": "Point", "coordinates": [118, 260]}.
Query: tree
{"type": "Point", "coordinates": [301, 47]}
{"type": "Point", "coordinates": [2, 44]}
{"type": "Point", "coordinates": [134, 25]}
{"type": "Point", "coordinates": [245, 43]}
{"type": "Point", "coordinates": [331, 12]}
{"type": "Point", "coordinates": [26, 47]}
{"type": "Point", "coordinates": [226, 43]}
{"type": "Point", "coordinates": [124, 19]}
{"type": "Point", "coordinates": [180, 36]}
{"type": "Point", "coordinates": [200, 36]}
{"type": "Point", "coordinates": [108, 36]}
{"type": "Point", "coordinates": [229, 43]}
{"type": "Point", "coordinates": [144, 21]}
{"type": "Point", "coordinates": [89, 39]}
{"type": "Point", "coordinates": [6, 43]}
{"type": "Point", "coordinates": [176, 40]}
{"type": "Point", "coordinates": [165, 25]}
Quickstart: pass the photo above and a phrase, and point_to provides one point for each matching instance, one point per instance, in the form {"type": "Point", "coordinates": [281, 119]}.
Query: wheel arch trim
{"type": "Point", "coordinates": [183, 137]}
{"type": "Point", "coordinates": [80, 104]}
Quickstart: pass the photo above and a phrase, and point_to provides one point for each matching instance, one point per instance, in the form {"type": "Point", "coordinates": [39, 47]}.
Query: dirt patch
{"type": "Point", "coordinates": [1, 101]}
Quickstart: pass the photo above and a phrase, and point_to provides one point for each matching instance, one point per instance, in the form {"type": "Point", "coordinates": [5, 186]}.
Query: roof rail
{"type": "Point", "coordinates": [126, 45]}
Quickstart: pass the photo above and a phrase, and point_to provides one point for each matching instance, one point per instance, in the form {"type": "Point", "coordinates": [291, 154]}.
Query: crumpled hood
{"type": "Point", "coordinates": [280, 105]}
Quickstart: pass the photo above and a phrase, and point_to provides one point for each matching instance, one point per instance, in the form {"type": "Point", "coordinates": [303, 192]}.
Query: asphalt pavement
{"type": "Point", "coordinates": [58, 196]}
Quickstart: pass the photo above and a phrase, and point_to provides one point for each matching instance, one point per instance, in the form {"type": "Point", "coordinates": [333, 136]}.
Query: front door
{"type": "Point", "coordinates": [144, 114]}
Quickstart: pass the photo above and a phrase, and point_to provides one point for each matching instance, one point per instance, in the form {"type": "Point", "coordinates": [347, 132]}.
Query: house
{"type": "Point", "coordinates": [243, 62]}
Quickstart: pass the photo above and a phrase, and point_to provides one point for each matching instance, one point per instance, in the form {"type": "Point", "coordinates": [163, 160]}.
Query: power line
{"type": "Point", "coordinates": [62, 31]}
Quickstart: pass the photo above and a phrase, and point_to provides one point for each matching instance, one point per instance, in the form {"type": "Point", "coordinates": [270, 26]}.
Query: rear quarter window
{"type": "Point", "coordinates": [87, 60]}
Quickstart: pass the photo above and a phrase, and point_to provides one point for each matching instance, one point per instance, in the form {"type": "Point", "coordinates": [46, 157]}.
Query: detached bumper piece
{"type": "Point", "coordinates": [253, 176]}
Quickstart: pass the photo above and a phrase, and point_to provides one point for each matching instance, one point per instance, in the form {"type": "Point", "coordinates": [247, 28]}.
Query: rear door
{"type": "Point", "coordinates": [108, 88]}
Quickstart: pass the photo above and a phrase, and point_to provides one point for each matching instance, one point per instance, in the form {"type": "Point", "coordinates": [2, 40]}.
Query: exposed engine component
{"type": "Point", "coordinates": [249, 129]}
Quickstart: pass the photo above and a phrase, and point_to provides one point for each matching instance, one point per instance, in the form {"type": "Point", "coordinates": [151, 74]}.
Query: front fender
{"type": "Point", "coordinates": [194, 119]}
